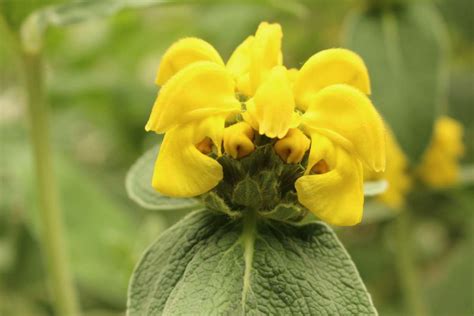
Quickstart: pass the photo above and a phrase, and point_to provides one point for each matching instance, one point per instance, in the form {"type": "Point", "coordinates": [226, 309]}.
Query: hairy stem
{"type": "Point", "coordinates": [52, 237]}
{"type": "Point", "coordinates": [406, 265]}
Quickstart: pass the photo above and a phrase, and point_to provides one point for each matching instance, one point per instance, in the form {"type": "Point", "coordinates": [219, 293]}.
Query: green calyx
{"type": "Point", "coordinates": [260, 182]}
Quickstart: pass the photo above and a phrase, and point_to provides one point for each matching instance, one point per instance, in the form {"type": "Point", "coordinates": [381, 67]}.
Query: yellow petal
{"type": "Point", "coordinates": [328, 67]}
{"type": "Point", "coordinates": [347, 116]}
{"type": "Point", "coordinates": [274, 104]}
{"type": "Point", "coordinates": [252, 60]}
{"type": "Point", "coordinates": [183, 53]}
{"type": "Point", "coordinates": [239, 62]}
{"type": "Point", "coordinates": [265, 52]}
{"type": "Point", "coordinates": [250, 114]}
{"type": "Point", "coordinates": [292, 75]}
{"type": "Point", "coordinates": [439, 166]}
{"type": "Point", "coordinates": [238, 140]}
{"type": "Point", "coordinates": [200, 90]}
{"type": "Point", "coordinates": [396, 174]}
{"type": "Point", "coordinates": [293, 146]}
{"type": "Point", "coordinates": [243, 85]}
{"type": "Point", "coordinates": [182, 170]}
{"type": "Point", "coordinates": [335, 192]}
{"type": "Point", "coordinates": [448, 135]}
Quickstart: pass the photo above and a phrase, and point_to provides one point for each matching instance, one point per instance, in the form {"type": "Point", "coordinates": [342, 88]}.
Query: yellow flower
{"type": "Point", "coordinates": [396, 174]}
{"type": "Point", "coordinates": [192, 106]}
{"type": "Point", "coordinates": [323, 108]}
{"type": "Point", "coordinates": [346, 132]}
{"type": "Point", "coordinates": [439, 166]}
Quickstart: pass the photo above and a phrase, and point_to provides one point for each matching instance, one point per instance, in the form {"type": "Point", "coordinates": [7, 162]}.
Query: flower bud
{"type": "Point", "coordinates": [238, 140]}
{"type": "Point", "coordinates": [293, 146]}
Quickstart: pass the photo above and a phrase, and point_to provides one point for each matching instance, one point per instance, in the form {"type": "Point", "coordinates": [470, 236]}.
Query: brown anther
{"type": "Point", "coordinates": [320, 167]}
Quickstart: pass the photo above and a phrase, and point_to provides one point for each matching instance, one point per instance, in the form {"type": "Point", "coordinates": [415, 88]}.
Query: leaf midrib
{"type": "Point", "coordinates": [249, 232]}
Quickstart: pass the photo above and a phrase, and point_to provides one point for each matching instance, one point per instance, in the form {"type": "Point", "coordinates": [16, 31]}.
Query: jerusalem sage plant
{"type": "Point", "coordinates": [259, 148]}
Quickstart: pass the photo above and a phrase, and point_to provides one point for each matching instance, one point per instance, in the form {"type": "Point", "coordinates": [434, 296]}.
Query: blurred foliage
{"type": "Point", "coordinates": [405, 49]}
{"type": "Point", "coordinates": [100, 75]}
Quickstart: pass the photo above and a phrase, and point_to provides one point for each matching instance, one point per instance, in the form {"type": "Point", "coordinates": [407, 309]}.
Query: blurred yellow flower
{"type": "Point", "coordinates": [322, 108]}
{"type": "Point", "coordinates": [439, 166]}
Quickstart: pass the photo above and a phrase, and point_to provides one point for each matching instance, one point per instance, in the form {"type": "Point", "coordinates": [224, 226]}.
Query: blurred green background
{"type": "Point", "coordinates": [100, 86]}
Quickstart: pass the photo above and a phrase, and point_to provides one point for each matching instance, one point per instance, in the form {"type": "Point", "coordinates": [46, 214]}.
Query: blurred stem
{"type": "Point", "coordinates": [52, 236]}
{"type": "Point", "coordinates": [407, 271]}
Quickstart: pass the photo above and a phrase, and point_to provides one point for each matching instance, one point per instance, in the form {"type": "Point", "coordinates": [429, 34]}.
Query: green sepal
{"type": "Point", "coordinates": [215, 203]}
{"type": "Point", "coordinates": [247, 194]}
{"type": "Point", "coordinates": [261, 182]}
{"type": "Point", "coordinates": [290, 212]}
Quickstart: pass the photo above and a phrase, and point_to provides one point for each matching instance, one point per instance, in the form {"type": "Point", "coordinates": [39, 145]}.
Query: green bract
{"type": "Point", "coordinates": [261, 182]}
{"type": "Point", "coordinates": [208, 265]}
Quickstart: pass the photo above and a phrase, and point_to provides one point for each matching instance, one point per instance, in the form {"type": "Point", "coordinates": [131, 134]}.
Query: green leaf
{"type": "Point", "coordinates": [37, 23]}
{"type": "Point", "coordinates": [404, 50]}
{"type": "Point", "coordinates": [209, 265]}
{"type": "Point", "coordinates": [139, 189]}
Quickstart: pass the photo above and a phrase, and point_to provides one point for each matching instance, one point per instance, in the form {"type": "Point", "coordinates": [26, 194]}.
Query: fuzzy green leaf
{"type": "Point", "coordinates": [209, 265]}
{"type": "Point", "coordinates": [139, 189]}
{"type": "Point", "coordinates": [404, 51]}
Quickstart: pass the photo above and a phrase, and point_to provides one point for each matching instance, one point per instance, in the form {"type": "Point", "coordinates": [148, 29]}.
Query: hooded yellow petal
{"type": "Point", "coordinates": [182, 170]}
{"type": "Point", "coordinates": [238, 140]}
{"type": "Point", "coordinates": [183, 53]}
{"type": "Point", "coordinates": [239, 65]}
{"type": "Point", "coordinates": [252, 60]}
{"type": "Point", "coordinates": [293, 146]}
{"type": "Point", "coordinates": [274, 104]}
{"type": "Point", "coordinates": [265, 52]}
{"type": "Point", "coordinates": [292, 75]}
{"type": "Point", "coordinates": [239, 62]}
{"type": "Point", "coordinates": [344, 114]}
{"type": "Point", "coordinates": [439, 166]}
{"type": "Point", "coordinates": [334, 192]}
{"type": "Point", "coordinates": [328, 67]}
{"type": "Point", "coordinates": [198, 91]}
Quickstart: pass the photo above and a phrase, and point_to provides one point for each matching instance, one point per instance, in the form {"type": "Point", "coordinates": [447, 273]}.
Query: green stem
{"type": "Point", "coordinates": [407, 271]}
{"type": "Point", "coordinates": [52, 236]}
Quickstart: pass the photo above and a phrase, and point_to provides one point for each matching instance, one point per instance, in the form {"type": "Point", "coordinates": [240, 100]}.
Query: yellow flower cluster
{"type": "Point", "coordinates": [322, 107]}
{"type": "Point", "coordinates": [439, 166]}
{"type": "Point", "coordinates": [440, 163]}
